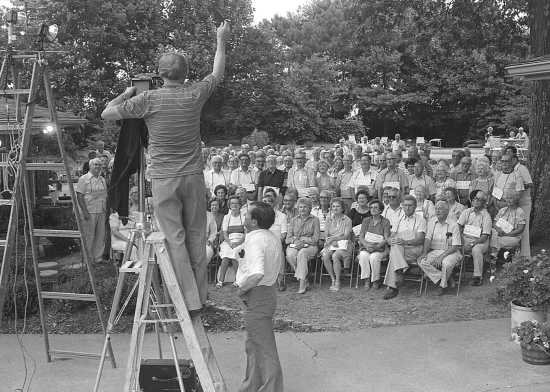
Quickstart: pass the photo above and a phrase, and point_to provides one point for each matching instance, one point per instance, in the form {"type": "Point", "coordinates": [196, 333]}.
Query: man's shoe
{"type": "Point", "coordinates": [391, 293]}
{"type": "Point", "coordinates": [441, 291]}
{"type": "Point", "coordinates": [376, 284]}
{"type": "Point", "coordinates": [282, 286]}
{"type": "Point", "coordinates": [476, 281]}
{"type": "Point", "coordinates": [368, 285]}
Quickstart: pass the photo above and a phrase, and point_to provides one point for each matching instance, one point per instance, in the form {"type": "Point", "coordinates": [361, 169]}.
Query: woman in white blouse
{"type": "Point", "coordinates": [233, 235]}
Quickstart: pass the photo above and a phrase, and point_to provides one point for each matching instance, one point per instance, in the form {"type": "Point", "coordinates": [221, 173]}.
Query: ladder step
{"type": "Point", "coordinates": [2, 242]}
{"type": "Point", "coordinates": [56, 233]}
{"type": "Point", "coordinates": [6, 202]}
{"type": "Point", "coordinates": [63, 353]}
{"type": "Point", "coordinates": [36, 166]}
{"type": "Point", "coordinates": [15, 91]}
{"type": "Point", "coordinates": [68, 296]}
{"type": "Point", "coordinates": [160, 321]}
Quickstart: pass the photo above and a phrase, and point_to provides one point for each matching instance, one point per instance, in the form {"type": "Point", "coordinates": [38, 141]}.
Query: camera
{"type": "Point", "coordinates": [146, 81]}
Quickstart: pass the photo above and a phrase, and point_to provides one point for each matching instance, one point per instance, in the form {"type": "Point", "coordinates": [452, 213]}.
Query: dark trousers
{"type": "Point", "coordinates": [263, 370]}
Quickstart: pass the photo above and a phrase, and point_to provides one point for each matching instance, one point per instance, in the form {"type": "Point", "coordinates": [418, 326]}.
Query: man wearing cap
{"type": "Point", "coordinates": [215, 176]}
{"type": "Point", "coordinates": [392, 177]}
{"type": "Point", "coordinates": [476, 225]}
{"type": "Point", "coordinates": [172, 114]}
{"type": "Point", "coordinates": [299, 177]}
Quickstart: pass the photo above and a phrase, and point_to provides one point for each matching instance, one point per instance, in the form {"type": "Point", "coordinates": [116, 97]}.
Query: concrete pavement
{"type": "Point", "coordinates": [468, 356]}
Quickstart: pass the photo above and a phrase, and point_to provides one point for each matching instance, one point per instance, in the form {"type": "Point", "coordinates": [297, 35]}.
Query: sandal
{"type": "Point", "coordinates": [219, 285]}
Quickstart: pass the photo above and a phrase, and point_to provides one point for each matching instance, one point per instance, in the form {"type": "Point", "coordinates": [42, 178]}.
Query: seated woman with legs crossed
{"type": "Point", "coordinates": [337, 250]}
{"type": "Point", "coordinates": [508, 225]}
{"type": "Point", "coordinates": [233, 235]}
{"type": "Point", "coordinates": [302, 239]}
{"type": "Point", "coordinates": [374, 237]}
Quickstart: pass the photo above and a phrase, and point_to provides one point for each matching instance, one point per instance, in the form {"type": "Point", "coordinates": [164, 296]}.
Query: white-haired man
{"type": "Point", "coordinates": [172, 115]}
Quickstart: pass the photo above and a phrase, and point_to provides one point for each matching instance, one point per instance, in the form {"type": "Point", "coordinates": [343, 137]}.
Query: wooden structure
{"type": "Point", "coordinates": [535, 69]}
{"type": "Point", "coordinates": [21, 196]}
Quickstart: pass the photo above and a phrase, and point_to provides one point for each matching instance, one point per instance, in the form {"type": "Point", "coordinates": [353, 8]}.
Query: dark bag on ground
{"type": "Point", "coordinates": [159, 375]}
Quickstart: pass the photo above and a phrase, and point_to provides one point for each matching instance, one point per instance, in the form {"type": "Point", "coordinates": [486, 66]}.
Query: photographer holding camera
{"type": "Point", "coordinates": [172, 115]}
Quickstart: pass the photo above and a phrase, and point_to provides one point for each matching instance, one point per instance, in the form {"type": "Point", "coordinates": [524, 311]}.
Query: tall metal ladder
{"type": "Point", "coordinates": [22, 194]}
{"type": "Point", "coordinates": [155, 255]}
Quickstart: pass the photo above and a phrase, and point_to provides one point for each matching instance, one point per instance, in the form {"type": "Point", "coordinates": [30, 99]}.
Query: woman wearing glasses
{"type": "Point", "coordinates": [233, 235]}
{"type": "Point", "coordinates": [373, 238]}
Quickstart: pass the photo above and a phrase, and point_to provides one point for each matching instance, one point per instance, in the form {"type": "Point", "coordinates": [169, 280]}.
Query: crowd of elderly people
{"type": "Point", "coordinates": [385, 206]}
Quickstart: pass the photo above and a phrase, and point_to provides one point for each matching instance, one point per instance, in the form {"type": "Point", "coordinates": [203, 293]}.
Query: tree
{"type": "Point", "coordinates": [539, 159]}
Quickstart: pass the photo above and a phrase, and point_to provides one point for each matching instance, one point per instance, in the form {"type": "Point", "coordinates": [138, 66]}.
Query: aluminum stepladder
{"type": "Point", "coordinates": [22, 194]}
{"type": "Point", "coordinates": [156, 256]}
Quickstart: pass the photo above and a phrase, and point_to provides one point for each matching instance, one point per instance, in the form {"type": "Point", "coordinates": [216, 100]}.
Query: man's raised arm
{"type": "Point", "coordinates": [219, 58]}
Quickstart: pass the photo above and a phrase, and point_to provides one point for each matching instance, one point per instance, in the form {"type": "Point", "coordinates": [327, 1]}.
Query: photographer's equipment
{"type": "Point", "coordinates": [23, 194]}
{"type": "Point", "coordinates": [159, 375]}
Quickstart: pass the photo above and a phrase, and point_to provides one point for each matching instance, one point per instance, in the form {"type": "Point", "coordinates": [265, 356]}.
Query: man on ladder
{"type": "Point", "coordinates": [172, 115]}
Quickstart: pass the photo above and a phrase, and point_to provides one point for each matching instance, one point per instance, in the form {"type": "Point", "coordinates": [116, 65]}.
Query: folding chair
{"type": "Point", "coordinates": [383, 263]}
{"type": "Point", "coordinates": [415, 274]}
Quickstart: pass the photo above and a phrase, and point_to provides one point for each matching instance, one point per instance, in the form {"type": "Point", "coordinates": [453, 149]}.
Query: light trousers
{"type": "Point", "coordinates": [94, 231]}
{"type": "Point", "coordinates": [439, 271]}
{"type": "Point", "coordinates": [478, 254]}
{"type": "Point", "coordinates": [180, 208]}
{"type": "Point", "coordinates": [398, 261]}
{"type": "Point", "coordinates": [263, 369]}
{"type": "Point", "coordinates": [298, 259]}
{"type": "Point", "coordinates": [370, 264]}
{"type": "Point", "coordinates": [503, 242]}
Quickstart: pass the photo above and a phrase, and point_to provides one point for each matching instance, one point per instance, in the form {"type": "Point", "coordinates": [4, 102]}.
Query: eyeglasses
{"type": "Point", "coordinates": [392, 197]}
{"type": "Point", "coordinates": [479, 198]}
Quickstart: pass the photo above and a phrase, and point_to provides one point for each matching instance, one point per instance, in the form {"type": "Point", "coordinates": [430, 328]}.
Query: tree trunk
{"type": "Point", "coordinates": [539, 146]}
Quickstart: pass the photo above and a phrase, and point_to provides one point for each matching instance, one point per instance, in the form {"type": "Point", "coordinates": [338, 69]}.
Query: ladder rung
{"type": "Point", "coordinates": [2, 242]}
{"type": "Point", "coordinates": [15, 91]}
{"type": "Point", "coordinates": [160, 321]}
{"type": "Point", "coordinates": [45, 166]}
{"type": "Point", "coordinates": [6, 202]}
{"type": "Point", "coordinates": [63, 353]}
{"type": "Point", "coordinates": [56, 233]}
{"type": "Point", "coordinates": [161, 305]}
{"type": "Point", "coordinates": [68, 296]}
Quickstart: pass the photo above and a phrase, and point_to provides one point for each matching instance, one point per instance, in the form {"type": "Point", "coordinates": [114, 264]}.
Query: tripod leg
{"type": "Point", "coordinates": [110, 326]}
{"type": "Point", "coordinates": [176, 362]}
{"type": "Point", "coordinates": [138, 330]}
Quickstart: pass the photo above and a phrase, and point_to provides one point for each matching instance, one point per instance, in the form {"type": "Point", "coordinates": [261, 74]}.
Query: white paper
{"type": "Point", "coordinates": [342, 244]}
{"type": "Point", "coordinates": [405, 155]}
{"type": "Point", "coordinates": [357, 230]}
{"type": "Point", "coordinates": [497, 193]}
{"type": "Point", "coordinates": [374, 238]}
{"type": "Point", "coordinates": [504, 225]}
{"type": "Point", "coordinates": [472, 231]}
{"type": "Point", "coordinates": [235, 237]}
{"type": "Point", "coordinates": [420, 140]}
{"type": "Point", "coordinates": [249, 187]}
{"type": "Point", "coordinates": [274, 188]}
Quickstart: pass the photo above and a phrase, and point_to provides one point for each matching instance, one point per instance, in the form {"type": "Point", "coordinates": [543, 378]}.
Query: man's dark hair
{"type": "Point", "coordinates": [511, 149]}
{"type": "Point", "coordinates": [263, 214]}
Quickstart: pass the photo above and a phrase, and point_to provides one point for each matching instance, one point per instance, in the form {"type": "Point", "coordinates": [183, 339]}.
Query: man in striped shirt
{"type": "Point", "coordinates": [172, 115]}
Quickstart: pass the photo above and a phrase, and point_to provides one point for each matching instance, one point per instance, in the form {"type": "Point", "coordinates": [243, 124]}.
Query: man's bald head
{"type": "Point", "coordinates": [173, 66]}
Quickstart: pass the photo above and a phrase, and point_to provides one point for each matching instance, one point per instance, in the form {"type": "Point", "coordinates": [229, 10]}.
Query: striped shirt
{"type": "Point", "coordinates": [172, 115]}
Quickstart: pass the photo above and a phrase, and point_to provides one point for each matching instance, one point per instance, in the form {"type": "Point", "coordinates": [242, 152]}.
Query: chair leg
{"type": "Point", "coordinates": [460, 276]}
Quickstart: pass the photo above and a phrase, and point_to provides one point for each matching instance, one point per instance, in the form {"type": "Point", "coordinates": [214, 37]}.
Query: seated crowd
{"type": "Point", "coordinates": [364, 203]}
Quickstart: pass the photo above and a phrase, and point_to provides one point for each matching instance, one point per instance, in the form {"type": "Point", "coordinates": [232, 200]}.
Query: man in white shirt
{"type": "Point", "coordinates": [299, 177]}
{"type": "Point", "coordinates": [393, 211]}
{"type": "Point", "coordinates": [91, 195]}
{"type": "Point", "coordinates": [397, 144]}
{"type": "Point", "coordinates": [243, 175]}
{"type": "Point", "coordinates": [365, 176]}
{"type": "Point", "coordinates": [259, 267]}
{"type": "Point", "coordinates": [215, 176]}
{"type": "Point", "coordinates": [406, 246]}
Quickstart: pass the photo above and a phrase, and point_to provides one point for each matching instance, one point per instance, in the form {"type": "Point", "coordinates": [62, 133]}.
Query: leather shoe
{"type": "Point", "coordinates": [441, 291]}
{"type": "Point", "coordinates": [282, 286]}
{"type": "Point", "coordinates": [391, 293]}
{"type": "Point", "coordinates": [376, 284]}
{"type": "Point", "coordinates": [476, 281]}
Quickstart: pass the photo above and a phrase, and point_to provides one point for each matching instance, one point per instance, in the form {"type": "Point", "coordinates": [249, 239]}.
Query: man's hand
{"type": "Point", "coordinates": [86, 215]}
{"type": "Point", "coordinates": [130, 92]}
{"type": "Point", "coordinates": [223, 32]}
